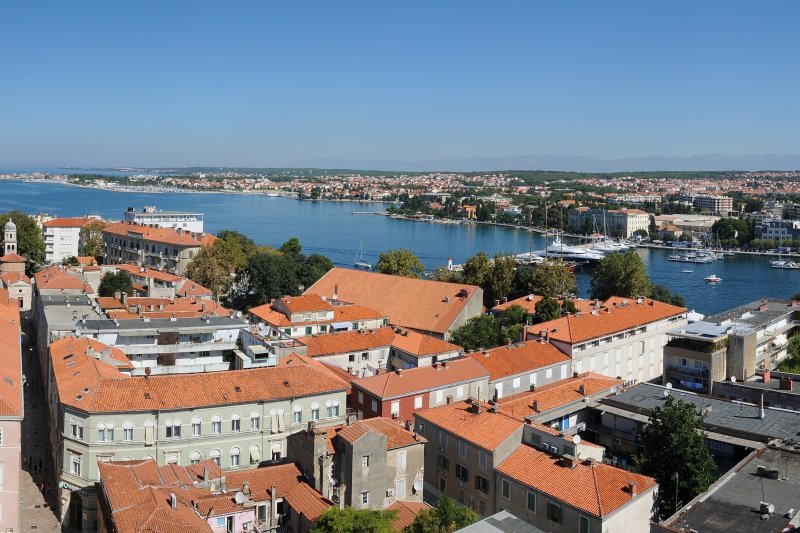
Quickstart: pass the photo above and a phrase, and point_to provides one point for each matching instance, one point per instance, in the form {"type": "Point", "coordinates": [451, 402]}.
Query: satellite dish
{"type": "Point", "coordinates": [576, 439]}
{"type": "Point", "coordinates": [417, 486]}
{"type": "Point", "coordinates": [147, 371]}
{"type": "Point", "coordinates": [669, 386]}
{"type": "Point", "coordinates": [238, 314]}
{"type": "Point", "coordinates": [239, 497]}
{"type": "Point", "coordinates": [733, 379]}
{"type": "Point", "coordinates": [614, 390]}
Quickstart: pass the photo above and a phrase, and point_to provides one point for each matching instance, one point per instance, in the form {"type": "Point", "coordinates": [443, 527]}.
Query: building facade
{"type": "Point", "coordinates": [183, 220]}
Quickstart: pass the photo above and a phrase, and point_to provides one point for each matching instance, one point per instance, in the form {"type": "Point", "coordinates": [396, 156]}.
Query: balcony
{"type": "Point", "coordinates": [688, 371]}
{"type": "Point", "coordinates": [178, 347]}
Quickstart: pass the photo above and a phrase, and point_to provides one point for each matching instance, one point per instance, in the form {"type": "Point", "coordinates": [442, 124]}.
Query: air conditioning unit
{"type": "Point", "coordinates": [395, 415]}
{"type": "Point", "coordinates": [390, 493]}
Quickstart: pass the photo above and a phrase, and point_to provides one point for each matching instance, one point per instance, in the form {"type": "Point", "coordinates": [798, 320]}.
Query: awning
{"type": "Point", "coordinates": [255, 455]}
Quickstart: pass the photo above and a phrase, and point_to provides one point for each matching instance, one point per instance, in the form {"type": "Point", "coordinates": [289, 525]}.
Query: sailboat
{"type": "Point", "coordinates": [360, 262]}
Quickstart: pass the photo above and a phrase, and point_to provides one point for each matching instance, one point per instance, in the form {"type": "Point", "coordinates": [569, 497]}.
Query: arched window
{"type": "Point", "coordinates": [196, 426]}
{"type": "Point", "coordinates": [315, 411]}
{"type": "Point", "coordinates": [236, 423]}
{"type": "Point", "coordinates": [176, 429]}
{"type": "Point", "coordinates": [297, 414]}
{"type": "Point", "coordinates": [335, 409]}
{"type": "Point", "coordinates": [235, 455]}
{"type": "Point", "coordinates": [194, 457]}
{"type": "Point", "coordinates": [215, 455]}
{"type": "Point", "coordinates": [127, 431]}
{"type": "Point", "coordinates": [110, 432]}
{"type": "Point", "coordinates": [216, 424]}
{"type": "Point", "coordinates": [255, 454]}
{"type": "Point", "coordinates": [255, 421]}
{"type": "Point", "coordinates": [101, 432]}
{"type": "Point", "coordinates": [168, 428]}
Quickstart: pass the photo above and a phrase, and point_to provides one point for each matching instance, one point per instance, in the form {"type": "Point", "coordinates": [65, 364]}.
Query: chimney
{"type": "Point", "coordinates": [582, 390]}
{"type": "Point", "coordinates": [574, 374]}
{"type": "Point", "coordinates": [632, 488]}
{"type": "Point", "coordinates": [767, 376]}
{"type": "Point", "coordinates": [535, 405]}
{"type": "Point", "coordinates": [786, 384]}
{"type": "Point", "coordinates": [505, 299]}
{"type": "Point", "coordinates": [761, 405]}
{"type": "Point", "coordinates": [124, 298]}
{"type": "Point", "coordinates": [117, 295]}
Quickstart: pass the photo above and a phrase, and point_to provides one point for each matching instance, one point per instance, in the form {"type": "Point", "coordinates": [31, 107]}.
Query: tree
{"type": "Point", "coordinates": [661, 293]}
{"type": "Point", "coordinates": [446, 517]}
{"type": "Point", "coordinates": [515, 314]}
{"type": "Point", "coordinates": [674, 447]}
{"type": "Point", "coordinates": [792, 361]}
{"type": "Point", "coordinates": [476, 269]}
{"type": "Point", "coordinates": [351, 520]}
{"type": "Point", "coordinates": [547, 309]}
{"type": "Point", "coordinates": [733, 231]}
{"type": "Point", "coordinates": [92, 237]}
{"type": "Point", "coordinates": [553, 279]}
{"type": "Point", "coordinates": [113, 282]}
{"type": "Point", "coordinates": [478, 333]}
{"type": "Point", "coordinates": [620, 275]}
{"type": "Point", "coordinates": [233, 249]}
{"type": "Point", "coordinates": [500, 281]}
{"type": "Point", "coordinates": [30, 243]}
{"type": "Point", "coordinates": [207, 270]}
{"type": "Point", "coordinates": [400, 262]}
{"type": "Point", "coordinates": [70, 261]}
{"type": "Point", "coordinates": [269, 275]}
{"type": "Point", "coordinates": [522, 281]}
{"type": "Point", "coordinates": [291, 247]}
{"type": "Point", "coordinates": [314, 267]}
{"type": "Point", "coordinates": [449, 276]}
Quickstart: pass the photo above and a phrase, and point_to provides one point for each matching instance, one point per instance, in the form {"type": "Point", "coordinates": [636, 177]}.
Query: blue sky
{"type": "Point", "coordinates": [269, 84]}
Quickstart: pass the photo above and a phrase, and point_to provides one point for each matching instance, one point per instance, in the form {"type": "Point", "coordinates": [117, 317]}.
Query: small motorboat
{"type": "Point", "coordinates": [713, 279]}
{"type": "Point", "coordinates": [686, 271]}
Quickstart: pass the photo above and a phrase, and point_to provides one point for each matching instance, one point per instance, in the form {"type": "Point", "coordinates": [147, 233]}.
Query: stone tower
{"type": "Point", "coordinates": [10, 238]}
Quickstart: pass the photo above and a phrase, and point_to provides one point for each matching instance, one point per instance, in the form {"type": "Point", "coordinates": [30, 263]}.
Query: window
{"type": "Point", "coordinates": [462, 472]}
{"type": "Point", "coordinates": [531, 502]}
{"type": "Point", "coordinates": [77, 429]}
{"type": "Point", "coordinates": [168, 428]}
{"type": "Point", "coordinates": [365, 461]}
{"type": "Point", "coordinates": [374, 406]}
{"type": "Point", "coordinates": [351, 358]}
{"type": "Point", "coordinates": [583, 524]}
{"type": "Point", "coordinates": [365, 356]}
{"type": "Point", "coordinates": [315, 411]}
{"type": "Point", "coordinates": [364, 497]}
{"type": "Point", "coordinates": [418, 402]}
{"type": "Point", "coordinates": [127, 431]}
{"type": "Point", "coordinates": [360, 397]}
{"type": "Point", "coordinates": [216, 425]}
{"type": "Point", "coordinates": [459, 392]}
{"type": "Point", "coordinates": [297, 414]}
{"type": "Point", "coordinates": [442, 484]}
{"type": "Point", "coordinates": [483, 459]}
{"type": "Point", "coordinates": [196, 426]}
{"type": "Point", "coordinates": [443, 461]}
{"type": "Point", "coordinates": [515, 384]}
{"type": "Point", "coordinates": [194, 457]}
{"type": "Point", "coordinates": [554, 513]}
{"type": "Point", "coordinates": [439, 396]}
{"type": "Point", "coordinates": [400, 488]}
{"type": "Point", "coordinates": [395, 408]}
{"type": "Point", "coordinates": [333, 408]}
{"type": "Point", "coordinates": [255, 421]}
{"type": "Point", "coordinates": [462, 449]}
{"type": "Point", "coordinates": [481, 507]}
{"type": "Point", "coordinates": [101, 432]}
{"type": "Point", "coordinates": [505, 487]}
{"type": "Point", "coordinates": [564, 371]}
{"type": "Point", "coordinates": [236, 425]}
{"type": "Point", "coordinates": [354, 325]}
{"type": "Point", "coordinates": [255, 454]}
{"type": "Point", "coordinates": [215, 456]}
{"type": "Point", "coordinates": [442, 439]}
{"type": "Point", "coordinates": [76, 460]}
{"type": "Point", "coordinates": [400, 460]}
{"type": "Point", "coordinates": [308, 330]}
{"type": "Point", "coordinates": [235, 457]}
{"type": "Point", "coordinates": [548, 373]}
{"type": "Point", "coordinates": [109, 432]}
{"type": "Point", "coordinates": [481, 483]}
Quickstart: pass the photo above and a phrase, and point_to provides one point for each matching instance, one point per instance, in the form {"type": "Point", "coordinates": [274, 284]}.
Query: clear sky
{"type": "Point", "coordinates": [269, 84]}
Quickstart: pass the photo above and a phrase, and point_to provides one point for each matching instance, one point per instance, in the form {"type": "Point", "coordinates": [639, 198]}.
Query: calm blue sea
{"type": "Point", "coordinates": [331, 228]}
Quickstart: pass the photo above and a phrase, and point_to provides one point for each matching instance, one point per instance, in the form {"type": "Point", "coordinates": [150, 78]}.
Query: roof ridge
{"type": "Point", "coordinates": [597, 491]}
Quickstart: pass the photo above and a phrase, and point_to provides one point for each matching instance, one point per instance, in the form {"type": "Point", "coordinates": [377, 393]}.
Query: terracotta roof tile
{"type": "Point", "coordinates": [484, 429]}
{"type": "Point", "coordinates": [111, 391]}
{"type": "Point", "coordinates": [529, 304]}
{"type": "Point", "coordinates": [347, 341]}
{"type": "Point", "coordinates": [598, 489]}
{"type": "Point", "coordinates": [305, 303]}
{"type": "Point", "coordinates": [406, 513]}
{"type": "Point", "coordinates": [12, 258]}
{"type": "Point", "coordinates": [614, 316]}
{"type": "Point", "coordinates": [423, 378]}
{"type": "Point", "coordinates": [396, 435]}
{"type": "Point", "coordinates": [505, 361]}
{"type": "Point", "coordinates": [11, 278]}
{"type": "Point", "coordinates": [156, 234]}
{"type": "Point", "coordinates": [424, 305]}
{"type": "Point", "coordinates": [56, 277]}
{"type": "Point", "coordinates": [10, 358]}
{"type": "Point", "coordinates": [71, 222]}
{"type": "Point", "coordinates": [557, 394]}
{"type": "Point", "coordinates": [307, 502]}
{"type": "Point", "coordinates": [146, 272]}
{"type": "Point", "coordinates": [421, 345]}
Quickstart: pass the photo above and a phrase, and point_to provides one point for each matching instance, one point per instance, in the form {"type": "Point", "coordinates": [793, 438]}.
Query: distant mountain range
{"type": "Point", "coordinates": [572, 164]}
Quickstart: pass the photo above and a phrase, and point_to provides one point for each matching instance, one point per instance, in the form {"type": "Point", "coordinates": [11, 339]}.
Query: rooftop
{"type": "Point", "coordinates": [505, 361]}
{"type": "Point", "coordinates": [502, 522]}
{"type": "Point", "coordinates": [595, 488]}
{"type": "Point", "coordinates": [558, 394]}
{"type": "Point", "coordinates": [347, 341]}
{"type": "Point", "coordinates": [614, 316]}
{"type": "Point", "coordinates": [10, 358]}
{"type": "Point", "coordinates": [406, 513]}
{"type": "Point", "coordinates": [474, 423]}
{"type": "Point", "coordinates": [420, 379]}
{"type": "Point", "coordinates": [733, 502]}
{"type": "Point", "coordinates": [736, 419]}
{"type": "Point", "coordinates": [396, 435]}
{"type": "Point", "coordinates": [70, 222]}
{"type": "Point", "coordinates": [165, 324]}
{"type": "Point", "coordinates": [414, 303]}
{"type": "Point", "coordinates": [157, 234]}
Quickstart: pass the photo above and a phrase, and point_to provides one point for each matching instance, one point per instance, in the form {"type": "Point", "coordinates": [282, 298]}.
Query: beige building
{"type": "Point", "coordinates": [11, 412]}
{"type": "Point", "coordinates": [237, 418]}
{"type": "Point", "coordinates": [613, 222]}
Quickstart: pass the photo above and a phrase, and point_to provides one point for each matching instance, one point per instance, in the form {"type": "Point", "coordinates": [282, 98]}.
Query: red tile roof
{"type": "Point", "coordinates": [111, 391]}
{"type": "Point", "coordinates": [10, 358]}
{"type": "Point", "coordinates": [146, 272]}
{"type": "Point", "coordinates": [341, 313]}
{"type": "Point", "coordinates": [12, 258]}
{"type": "Point", "coordinates": [484, 429]}
{"type": "Point", "coordinates": [421, 345]}
{"type": "Point", "coordinates": [10, 278]}
{"type": "Point", "coordinates": [557, 394]}
{"type": "Point", "coordinates": [305, 303]}
{"type": "Point", "coordinates": [424, 378]}
{"type": "Point", "coordinates": [156, 234]}
{"type": "Point", "coordinates": [613, 317]}
{"type": "Point", "coordinates": [56, 277]}
{"type": "Point", "coordinates": [406, 513]}
{"type": "Point", "coordinates": [598, 489]}
{"type": "Point", "coordinates": [192, 307]}
{"type": "Point", "coordinates": [72, 222]}
{"type": "Point", "coordinates": [396, 435]}
{"type": "Point", "coordinates": [347, 341]}
{"type": "Point", "coordinates": [529, 304]}
{"type": "Point", "coordinates": [505, 361]}
{"type": "Point", "coordinates": [414, 303]}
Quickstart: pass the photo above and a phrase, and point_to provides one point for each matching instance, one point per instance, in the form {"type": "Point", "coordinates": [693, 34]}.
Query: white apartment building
{"type": "Point", "coordinates": [62, 237]}
{"type": "Point", "coordinates": [184, 220]}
